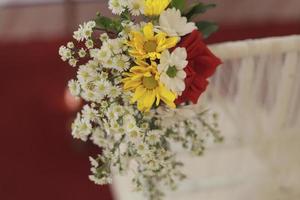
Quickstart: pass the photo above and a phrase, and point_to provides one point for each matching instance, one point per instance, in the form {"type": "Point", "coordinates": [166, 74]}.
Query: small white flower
{"type": "Point", "coordinates": [94, 162]}
{"type": "Point", "coordinates": [92, 64]}
{"type": "Point", "coordinates": [102, 87]}
{"type": "Point", "coordinates": [104, 37]}
{"type": "Point", "coordinates": [142, 148]}
{"type": "Point", "coordinates": [116, 6]}
{"type": "Point", "coordinates": [136, 7]}
{"type": "Point", "coordinates": [118, 109]}
{"type": "Point", "coordinates": [134, 136]}
{"type": "Point", "coordinates": [65, 53]}
{"type": "Point", "coordinates": [73, 62]}
{"type": "Point", "coordinates": [84, 31]}
{"type": "Point", "coordinates": [91, 24]}
{"type": "Point", "coordinates": [89, 44]}
{"type": "Point", "coordinates": [89, 95]}
{"type": "Point", "coordinates": [89, 114]}
{"type": "Point", "coordinates": [86, 74]}
{"type": "Point", "coordinates": [74, 87]}
{"type": "Point", "coordinates": [70, 45]}
{"type": "Point", "coordinates": [118, 80]}
{"type": "Point", "coordinates": [103, 54]}
{"type": "Point", "coordinates": [104, 75]}
{"type": "Point", "coordinates": [153, 164]}
{"type": "Point", "coordinates": [81, 129]}
{"type": "Point", "coordinates": [171, 22]}
{"type": "Point", "coordinates": [172, 71]}
{"type": "Point", "coordinates": [100, 181]}
{"type": "Point", "coordinates": [116, 45]}
{"type": "Point", "coordinates": [98, 137]}
{"type": "Point", "coordinates": [153, 137]}
{"type": "Point", "coordinates": [114, 92]}
{"type": "Point", "coordinates": [129, 122]}
{"type": "Point", "coordinates": [127, 28]}
{"type": "Point", "coordinates": [121, 62]}
{"type": "Point", "coordinates": [82, 53]}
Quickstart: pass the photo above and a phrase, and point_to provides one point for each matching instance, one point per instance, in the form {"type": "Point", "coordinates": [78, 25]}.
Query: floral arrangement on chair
{"type": "Point", "coordinates": [140, 74]}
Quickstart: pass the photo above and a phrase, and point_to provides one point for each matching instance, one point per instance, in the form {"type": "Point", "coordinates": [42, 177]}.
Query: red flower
{"type": "Point", "coordinates": [202, 64]}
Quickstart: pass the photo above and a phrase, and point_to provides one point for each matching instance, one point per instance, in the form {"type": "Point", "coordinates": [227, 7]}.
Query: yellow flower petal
{"type": "Point", "coordinates": [155, 7]}
{"type": "Point", "coordinates": [167, 96]}
{"type": "Point", "coordinates": [139, 92]}
{"type": "Point", "coordinates": [149, 99]}
{"type": "Point", "coordinates": [148, 31]}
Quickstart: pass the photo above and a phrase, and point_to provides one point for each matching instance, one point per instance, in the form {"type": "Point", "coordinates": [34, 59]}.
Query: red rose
{"type": "Point", "coordinates": [202, 64]}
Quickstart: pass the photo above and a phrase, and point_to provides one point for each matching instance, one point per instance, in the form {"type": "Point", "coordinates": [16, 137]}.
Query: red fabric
{"type": "Point", "coordinates": [201, 65]}
{"type": "Point", "coordinates": [39, 158]}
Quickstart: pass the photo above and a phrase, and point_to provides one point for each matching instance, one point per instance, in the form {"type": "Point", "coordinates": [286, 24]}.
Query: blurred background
{"type": "Point", "coordinates": [38, 157]}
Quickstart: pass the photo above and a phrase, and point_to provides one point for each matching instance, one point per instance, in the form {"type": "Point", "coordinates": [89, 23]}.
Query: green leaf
{"type": "Point", "coordinates": [179, 4]}
{"type": "Point", "coordinates": [197, 9]}
{"type": "Point", "coordinates": [108, 24]}
{"type": "Point", "coordinates": [207, 28]}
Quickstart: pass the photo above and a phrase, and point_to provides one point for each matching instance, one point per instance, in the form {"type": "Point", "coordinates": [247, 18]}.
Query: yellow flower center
{"type": "Point", "coordinates": [150, 82]}
{"type": "Point", "coordinates": [136, 6]}
{"type": "Point", "coordinates": [150, 46]}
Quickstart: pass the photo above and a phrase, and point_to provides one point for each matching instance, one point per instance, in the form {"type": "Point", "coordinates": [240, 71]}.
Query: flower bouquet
{"type": "Point", "coordinates": [141, 75]}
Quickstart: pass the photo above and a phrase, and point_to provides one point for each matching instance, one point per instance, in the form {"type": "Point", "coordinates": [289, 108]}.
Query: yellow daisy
{"type": "Point", "coordinates": [155, 7]}
{"type": "Point", "coordinates": [148, 44]}
{"type": "Point", "coordinates": [144, 81]}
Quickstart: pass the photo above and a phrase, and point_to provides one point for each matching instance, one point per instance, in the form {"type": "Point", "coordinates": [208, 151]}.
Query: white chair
{"type": "Point", "coordinates": [257, 94]}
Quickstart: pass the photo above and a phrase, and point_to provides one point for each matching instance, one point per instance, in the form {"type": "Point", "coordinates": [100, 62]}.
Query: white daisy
{"type": "Point", "coordinates": [136, 7]}
{"type": "Point", "coordinates": [86, 74]}
{"type": "Point", "coordinates": [114, 92]}
{"type": "Point", "coordinates": [172, 71]}
{"type": "Point", "coordinates": [116, 45]}
{"type": "Point", "coordinates": [116, 6]}
{"type": "Point", "coordinates": [121, 62]}
{"type": "Point", "coordinates": [102, 87]}
{"type": "Point", "coordinates": [103, 54]}
{"type": "Point", "coordinates": [171, 22]}
{"type": "Point", "coordinates": [127, 28]}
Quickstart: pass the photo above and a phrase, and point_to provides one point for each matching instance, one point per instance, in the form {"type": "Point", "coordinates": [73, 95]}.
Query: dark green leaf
{"type": "Point", "coordinates": [199, 8]}
{"type": "Point", "coordinates": [207, 28]}
{"type": "Point", "coordinates": [179, 4]}
{"type": "Point", "coordinates": [108, 24]}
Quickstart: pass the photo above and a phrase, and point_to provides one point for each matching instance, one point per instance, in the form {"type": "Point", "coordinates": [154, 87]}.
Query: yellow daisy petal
{"type": "Point", "coordinates": [148, 31]}
{"type": "Point", "coordinates": [139, 92]}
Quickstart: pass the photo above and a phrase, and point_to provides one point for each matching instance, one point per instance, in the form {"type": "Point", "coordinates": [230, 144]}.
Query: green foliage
{"type": "Point", "coordinates": [197, 9]}
{"type": "Point", "coordinates": [207, 28]}
{"type": "Point", "coordinates": [108, 24]}
{"type": "Point", "coordinates": [179, 4]}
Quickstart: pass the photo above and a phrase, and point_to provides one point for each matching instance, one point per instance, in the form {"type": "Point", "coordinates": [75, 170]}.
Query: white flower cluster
{"type": "Point", "coordinates": [72, 54]}
{"type": "Point", "coordinates": [136, 7]}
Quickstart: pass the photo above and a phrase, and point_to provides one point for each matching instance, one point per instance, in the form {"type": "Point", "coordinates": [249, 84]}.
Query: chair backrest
{"type": "Point", "coordinates": [258, 85]}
